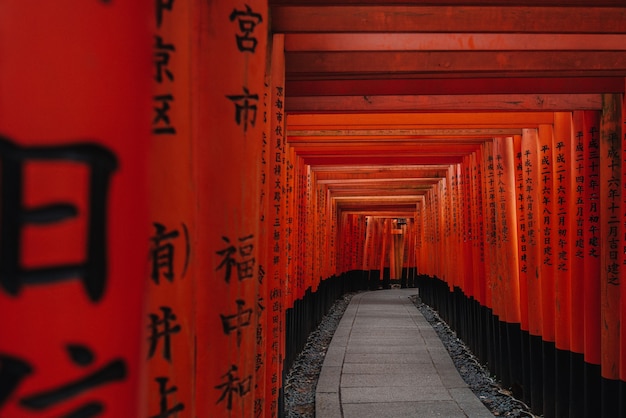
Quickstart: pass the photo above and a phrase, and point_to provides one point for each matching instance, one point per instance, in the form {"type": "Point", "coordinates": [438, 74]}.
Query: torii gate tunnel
{"type": "Point", "coordinates": [187, 186]}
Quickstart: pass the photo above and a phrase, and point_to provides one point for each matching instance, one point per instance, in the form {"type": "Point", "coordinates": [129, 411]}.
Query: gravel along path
{"type": "Point", "coordinates": [302, 378]}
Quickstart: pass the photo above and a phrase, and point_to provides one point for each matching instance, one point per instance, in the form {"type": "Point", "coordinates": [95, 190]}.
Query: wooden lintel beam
{"type": "Point", "coordinates": [448, 19]}
{"type": "Point", "coordinates": [433, 86]}
{"type": "Point", "coordinates": [356, 160]}
{"type": "Point", "coordinates": [350, 182]}
{"type": "Point", "coordinates": [400, 103]}
{"type": "Point", "coordinates": [408, 213]}
{"type": "Point", "coordinates": [459, 134]}
{"type": "Point", "coordinates": [329, 175]}
{"type": "Point", "coordinates": [438, 64]}
{"type": "Point", "coordinates": [394, 120]}
{"type": "Point", "coordinates": [453, 42]}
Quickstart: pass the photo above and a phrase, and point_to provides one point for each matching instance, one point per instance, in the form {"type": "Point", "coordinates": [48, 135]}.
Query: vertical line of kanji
{"type": "Point", "coordinates": [170, 307]}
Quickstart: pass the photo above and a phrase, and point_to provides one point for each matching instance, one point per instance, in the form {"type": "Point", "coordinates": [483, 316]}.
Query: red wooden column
{"type": "Point", "coordinates": [507, 245]}
{"type": "Point", "coordinates": [563, 210]}
{"type": "Point", "coordinates": [522, 231]}
{"type": "Point", "coordinates": [489, 216]}
{"type": "Point", "coordinates": [524, 276]}
{"type": "Point", "coordinates": [622, 374]}
{"type": "Point", "coordinates": [290, 229]}
{"type": "Point", "coordinates": [170, 310]}
{"type": "Point", "coordinates": [74, 116]}
{"type": "Point", "coordinates": [230, 126]}
{"type": "Point", "coordinates": [478, 244]}
{"type": "Point", "coordinates": [591, 131]}
{"type": "Point", "coordinates": [611, 227]}
{"type": "Point", "coordinates": [547, 271]}
{"type": "Point", "coordinates": [469, 226]}
{"type": "Point", "coordinates": [270, 330]}
{"type": "Point", "coordinates": [578, 220]}
{"type": "Point", "coordinates": [531, 177]}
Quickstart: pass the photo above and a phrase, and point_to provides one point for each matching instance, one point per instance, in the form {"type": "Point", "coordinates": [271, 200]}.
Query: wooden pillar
{"type": "Point", "coordinates": [74, 111]}
{"type": "Point", "coordinates": [271, 328]}
{"type": "Point", "coordinates": [578, 219]}
{"type": "Point", "coordinates": [230, 126]}
{"type": "Point", "coordinates": [489, 215]}
{"type": "Point", "coordinates": [563, 210]}
{"type": "Point", "coordinates": [547, 253]}
{"type": "Point", "coordinates": [611, 227]}
{"type": "Point", "coordinates": [478, 244]}
{"type": "Point", "coordinates": [591, 131]}
{"type": "Point", "coordinates": [532, 191]}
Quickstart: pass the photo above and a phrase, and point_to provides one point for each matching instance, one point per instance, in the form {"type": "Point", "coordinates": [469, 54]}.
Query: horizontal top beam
{"type": "Point", "coordinates": [426, 120]}
{"type": "Point", "coordinates": [453, 42]}
{"type": "Point", "coordinates": [447, 19]}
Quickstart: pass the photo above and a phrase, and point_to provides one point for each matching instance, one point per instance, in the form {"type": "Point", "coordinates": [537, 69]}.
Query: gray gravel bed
{"type": "Point", "coordinates": [302, 377]}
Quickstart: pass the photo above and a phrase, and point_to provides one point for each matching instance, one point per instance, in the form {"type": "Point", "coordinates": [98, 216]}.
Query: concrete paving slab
{"type": "Point", "coordinates": [390, 380]}
{"type": "Point", "coordinates": [368, 348]}
{"type": "Point", "coordinates": [363, 368]}
{"type": "Point", "coordinates": [393, 394]}
{"type": "Point", "coordinates": [327, 405]}
{"type": "Point", "coordinates": [469, 403]}
{"type": "Point", "coordinates": [329, 379]}
{"type": "Point", "coordinates": [418, 357]}
{"type": "Point", "coordinates": [427, 409]}
{"type": "Point", "coordinates": [385, 360]}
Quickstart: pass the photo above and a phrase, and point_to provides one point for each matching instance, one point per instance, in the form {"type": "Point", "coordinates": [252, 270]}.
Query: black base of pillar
{"type": "Point", "coordinates": [577, 386]}
{"type": "Point", "coordinates": [562, 387]}
{"type": "Point", "coordinates": [549, 379]}
{"type": "Point", "coordinates": [593, 390]}
{"type": "Point", "coordinates": [536, 375]}
{"type": "Point", "coordinates": [610, 398]}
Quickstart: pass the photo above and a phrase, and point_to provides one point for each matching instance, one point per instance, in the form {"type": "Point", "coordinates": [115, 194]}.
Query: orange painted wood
{"type": "Point", "coordinates": [622, 136]}
{"type": "Point", "coordinates": [548, 246]}
{"type": "Point", "coordinates": [442, 206]}
{"type": "Point", "coordinates": [74, 216]}
{"type": "Point", "coordinates": [475, 85]}
{"type": "Point", "coordinates": [469, 226]}
{"type": "Point", "coordinates": [610, 229]}
{"type": "Point", "coordinates": [445, 19]}
{"type": "Point", "coordinates": [563, 211]}
{"type": "Point", "coordinates": [507, 225]}
{"type": "Point", "coordinates": [478, 244]}
{"type": "Point", "coordinates": [426, 103]}
{"type": "Point", "coordinates": [532, 199]}
{"type": "Point", "coordinates": [522, 231]}
{"type": "Point", "coordinates": [440, 64]}
{"type": "Point", "coordinates": [452, 42]}
{"type": "Point", "coordinates": [384, 247]}
{"type": "Point", "coordinates": [457, 227]}
{"type": "Point", "coordinates": [492, 299]}
{"type": "Point", "coordinates": [230, 128]}
{"type": "Point", "coordinates": [291, 227]}
{"type": "Point", "coordinates": [395, 120]}
{"type": "Point", "coordinates": [577, 224]}
{"type": "Point", "coordinates": [170, 313]}
{"type": "Point", "coordinates": [270, 330]}
{"type": "Point", "coordinates": [591, 132]}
